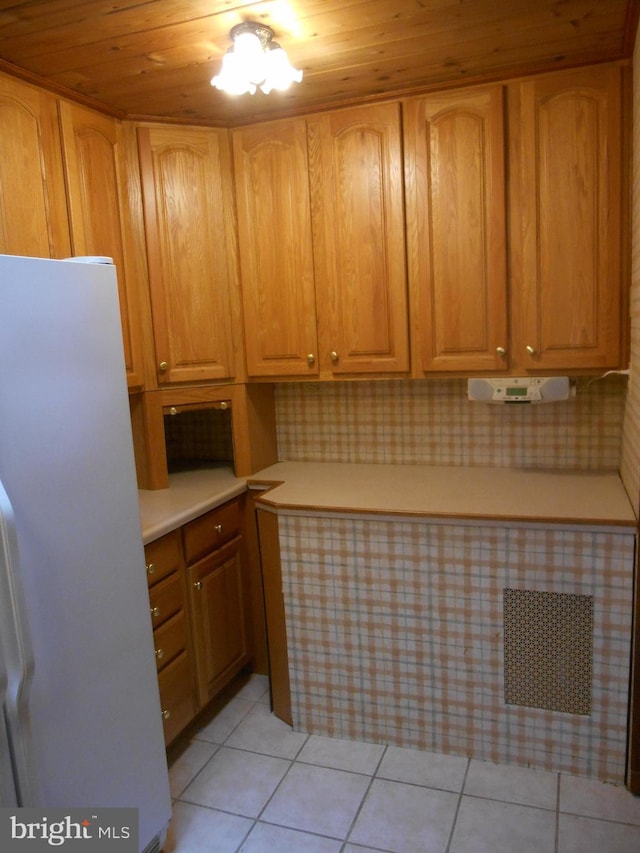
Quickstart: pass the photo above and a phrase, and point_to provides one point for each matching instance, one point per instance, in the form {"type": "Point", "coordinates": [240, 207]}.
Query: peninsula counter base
{"type": "Point", "coordinates": [396, 634]}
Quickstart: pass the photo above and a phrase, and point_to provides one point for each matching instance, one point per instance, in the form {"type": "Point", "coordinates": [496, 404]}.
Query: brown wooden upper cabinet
{"type": "Point", "coordinates": [33, 211]}
{"type": "Point", "coordinates": [548, 298]}
{"type": "Point", "coordinates": [566, 161]}
{"type": "Point", "coordinates": [96, 174]}
{"type": "Point", "coordinates": [456, 234]}
{"type": "Point", "coordinates": [276, 261]}
{"type": "Point", "coordinates": [192, 253]}
{"type": "Point", "coordinates": [357, 214]}
{"type": "Point", "coordinates": [321, 223]}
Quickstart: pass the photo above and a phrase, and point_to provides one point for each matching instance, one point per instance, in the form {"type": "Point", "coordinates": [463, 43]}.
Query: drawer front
{"type": "Point", "coordinates": [211, 530]}
{"type": "Point", "coordinates": [176, 696]}
{"type": "Point", "coordinates": [170, 639]}
{"type": "Point", "coordinates": [165, 599]}
{"type": "Point", "coordinates": [162, 557]}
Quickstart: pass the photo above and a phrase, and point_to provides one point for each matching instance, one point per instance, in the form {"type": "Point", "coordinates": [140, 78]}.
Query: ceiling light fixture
{"type": "Point", "coordinates": [255, 60]}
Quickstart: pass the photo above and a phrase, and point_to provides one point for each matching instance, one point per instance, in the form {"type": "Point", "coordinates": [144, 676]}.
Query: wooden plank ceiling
{"type": "Point", "coordinates": [155, 58]}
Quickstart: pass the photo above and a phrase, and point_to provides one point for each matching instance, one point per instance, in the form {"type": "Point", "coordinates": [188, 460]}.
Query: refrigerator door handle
{"type": "Point", "coordinates": [17, 665]}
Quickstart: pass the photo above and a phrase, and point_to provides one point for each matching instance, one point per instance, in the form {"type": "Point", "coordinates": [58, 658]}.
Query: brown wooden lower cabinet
{"type": "Point", "coordinates": [176, 695]}
{"type": "Point", "coordinates": [199, 612]}
{"type": "Point", "coordinates": [218, 619]}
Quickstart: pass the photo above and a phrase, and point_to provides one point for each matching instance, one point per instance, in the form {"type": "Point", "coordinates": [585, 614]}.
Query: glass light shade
{"type": "Point", "coordinates": [250, 57]}
{"type": "Point", "coordinates": [280, 72]}
{"type": "Point", "coordinates": [232, 78]}
{"type": "Point", "coordinates": [255, 60]}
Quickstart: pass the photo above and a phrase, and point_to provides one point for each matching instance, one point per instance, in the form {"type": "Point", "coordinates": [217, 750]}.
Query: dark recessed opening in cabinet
{"type": "Point", "coordinates": [198, 437]}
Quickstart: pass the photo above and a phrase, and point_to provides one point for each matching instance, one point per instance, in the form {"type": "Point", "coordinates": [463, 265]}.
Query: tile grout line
{"type": "Point", "coordinates": [256, 819]}
{"type": "Point", "coordinates": [458, 804]}
{"type": "Point", "coordinates": [362, 802]}
{"type": "Point", "coordinates": [218, 747]}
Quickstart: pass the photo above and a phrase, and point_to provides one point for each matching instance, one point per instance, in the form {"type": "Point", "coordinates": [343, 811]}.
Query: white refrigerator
{"type": "Point", "coordinates": [82, 721]}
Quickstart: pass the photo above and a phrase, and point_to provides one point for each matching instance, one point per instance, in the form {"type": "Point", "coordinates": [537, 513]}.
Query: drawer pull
{"type": "Point", "coordinates": [218, 528]}
{"type": "Point", "coordinates": [155, 612]}
{"type": "Point", "coordinates": [166, 714]}
{"type": "Point", "coordinates": [197, 585]}
{"type": "Point", "coordinates": [159, 653]}
{"type": "Point", "coordinates": [150, 568]}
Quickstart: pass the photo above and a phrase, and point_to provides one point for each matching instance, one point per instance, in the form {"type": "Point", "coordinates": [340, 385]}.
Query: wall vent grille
{"type": "Point", "coordinates": [548, 650]}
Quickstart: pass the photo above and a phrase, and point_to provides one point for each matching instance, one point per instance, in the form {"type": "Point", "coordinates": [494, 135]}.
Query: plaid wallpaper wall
{"type": "Point", "coordinates": [396, 634]}
{"type": "Point", "coordinates": [432, 422]}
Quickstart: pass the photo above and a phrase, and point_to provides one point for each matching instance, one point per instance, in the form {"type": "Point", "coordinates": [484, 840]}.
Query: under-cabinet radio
{"type": "Point", "coordinates": [520, 389]}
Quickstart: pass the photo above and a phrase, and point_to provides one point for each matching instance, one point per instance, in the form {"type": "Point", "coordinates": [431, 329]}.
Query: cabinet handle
{"type": "Point", "coordinates": [217, 528]}
{"type": "Point", "coordinates": [155, 612]}
{"type": "Point", "coordinates": [530, 350]}
{"type": "Point", "coordinates": [197, 585]}
{"type": "Point", "coordinates": [311, 358]}
{"type": "Point", "coordinates": [166, 714]}
{"type": "Point", "coordinates": [159, 653]}
{"type": "Point", "coordinates": [150, 568]}
{"type": "Point", "coordinates": [163, 366]}
{"type": "Point", "coordinates": [334, 356]}
{"type": "Point", "coordinates": [501, 351]}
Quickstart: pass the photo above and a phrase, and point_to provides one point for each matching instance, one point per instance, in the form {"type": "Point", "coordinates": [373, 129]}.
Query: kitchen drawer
{"type": "Point", "coordinates": [162, 557]}
{"type": "Point", "coordinates": [170, 639]}
{"type": "Point", "coordinates": [165, 599]}
{"type": "Point", "coordinates": [176, 696]}
{"type": "Point", "coordinates": [211, 530]}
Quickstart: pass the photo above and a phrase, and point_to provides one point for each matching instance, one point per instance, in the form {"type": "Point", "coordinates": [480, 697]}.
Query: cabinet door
{"type": "Point", "coordinates": [276, 261]}
{"type": "Point", "coordinates": [186, 176]}
{"type": "Point", "coordinates": [33, 213]}
{"type": "Point", "coordinates": [219, 621]}
{"type": "Point", "coordinates": [456, 229]}
{"type": "Point", "coordinates": [95, 169]}
{"type": "Point", "coordinates": [357, 207]}
{"type": "Point", "coordinates": [566, 219]}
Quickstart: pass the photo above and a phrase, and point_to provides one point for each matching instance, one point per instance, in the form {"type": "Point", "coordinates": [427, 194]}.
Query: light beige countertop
{"type": "Point", "coordinates": [442, 492]}
{"type": "Point", "coordinates": [493, 494]}
{"type": "Point", "coordinates": [190, 494]}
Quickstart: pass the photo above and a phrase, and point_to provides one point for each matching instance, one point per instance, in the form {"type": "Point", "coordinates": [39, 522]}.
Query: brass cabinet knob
{"type": "Point", "coordinates": [163, 366]}
{"type": "Point", "coordinates": [166, 714]}
{"type": "Point", "coordinates": [197, 585]}
{"type": "Point", "coordinates": [150, 568]}
{"type": "Point", "coordinates": [530, 350]}
{"type": "Point", "coordinates": [334, 356]}
{"type": "Point", "coordinates": [155, 612]}
{"type": "Point", "coordinates": [311, 358]}
{"type": "Point", "coordinates": [217, 528]}
{"type": "Point", "coordinates": [501, 351]}
{"type": "Point", "coordinates": [159, 653]}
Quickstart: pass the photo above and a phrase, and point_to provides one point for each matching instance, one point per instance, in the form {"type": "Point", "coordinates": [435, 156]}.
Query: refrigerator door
{"type": "Point", "coordinates": [66, 461]}
{"type": "Point", "coordinates": [16, 668]}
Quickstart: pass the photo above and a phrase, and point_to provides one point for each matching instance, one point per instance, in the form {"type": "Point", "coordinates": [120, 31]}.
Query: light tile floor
{"type": "Point", "coordinates": [246, 782]}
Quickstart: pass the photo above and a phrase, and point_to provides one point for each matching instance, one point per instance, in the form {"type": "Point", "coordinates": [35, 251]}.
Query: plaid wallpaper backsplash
{"type": "Point", "coordinates": [431, 422]}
